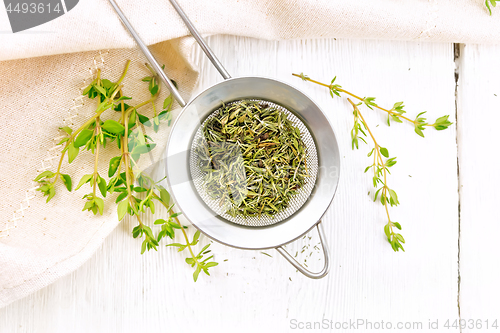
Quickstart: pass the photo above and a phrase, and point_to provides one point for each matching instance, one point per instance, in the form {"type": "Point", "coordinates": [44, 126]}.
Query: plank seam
{"type": "Point", "coordinates": [457, 60]}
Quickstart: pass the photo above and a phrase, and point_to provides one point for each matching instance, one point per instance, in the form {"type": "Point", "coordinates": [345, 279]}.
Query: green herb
{"type": "Point", "coordinates": [492, 2]}
{"type": "Point", "coordinates": [253, 159]}
{"type": "Point", "coordinates": [136, 191]}
{"type": "Point", "coordinates": [381, 160]}
{"type": "Point", "coordinates": [380, 168]}
{"type": "Point", "coordinates": [393, 114]}
{"type": "Point", "coordinates": [196, 260]}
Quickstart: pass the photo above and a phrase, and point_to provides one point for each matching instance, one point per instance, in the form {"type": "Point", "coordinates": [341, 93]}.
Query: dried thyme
{"type": "Point", "coordinates": [252, 158]}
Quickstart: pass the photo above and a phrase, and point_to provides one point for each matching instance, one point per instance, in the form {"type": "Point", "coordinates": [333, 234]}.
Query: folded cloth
{"type": "Point", "coordinates": [93, 25]}
{"type": "Point", "coordinates": [40, 242]}
{"type": "Point", "coordinates": [41, 91]}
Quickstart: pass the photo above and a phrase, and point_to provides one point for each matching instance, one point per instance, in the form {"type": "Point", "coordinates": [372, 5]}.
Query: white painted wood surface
{"type": "Point", "coordinates": [478, 118]}
{"type": "Point", "coordinates": [119, 290]}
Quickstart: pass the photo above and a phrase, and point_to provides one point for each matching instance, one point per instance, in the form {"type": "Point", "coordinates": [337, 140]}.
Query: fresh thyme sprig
{"type": "Point", "coordinates": [136, 190]}
{"type": "Point", "coordinates": [380, 169]}
{"type": "Point", "coordinates": [395, 113]}
{"type": "Point", "coordinates": [492, 3]}
{"type": "Point", "coordinates": [380, 166]}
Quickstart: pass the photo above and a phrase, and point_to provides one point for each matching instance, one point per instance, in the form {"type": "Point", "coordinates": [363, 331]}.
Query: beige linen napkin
{"type": "Point", "coordinates": [41, 242]}
{"type": "Point", "coordinates": [92, 24]}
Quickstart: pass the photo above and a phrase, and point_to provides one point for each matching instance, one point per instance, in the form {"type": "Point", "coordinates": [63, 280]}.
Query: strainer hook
{"type": "Point", "coordinates": [301, 268]}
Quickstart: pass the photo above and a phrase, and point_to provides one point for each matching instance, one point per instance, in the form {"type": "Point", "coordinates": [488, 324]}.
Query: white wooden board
{"type": "Point", "coordinates": [119, 290]}
{"type": "Point", "coordinates": [478, 119]}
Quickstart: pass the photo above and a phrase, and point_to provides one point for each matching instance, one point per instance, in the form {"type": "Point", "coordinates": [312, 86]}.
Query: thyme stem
{"type": "Point", "coordinates": [127, 65]}
{"type": "Point", "coordinates": [179, 224]}
{"type": "Point", "coordinates": [377, 156]}
{"type": "Point", "coordinates": [126, 157]}
{"type": "Point", "coordinates": [329, 86]}
{"type": "Point", "coordinates": [98, 141]}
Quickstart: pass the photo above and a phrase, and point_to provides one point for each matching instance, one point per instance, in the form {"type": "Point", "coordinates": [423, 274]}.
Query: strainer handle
{"type": "Point", "coordinates": [301, 268]}
{"type": "Point", "coordinates": [204, 46]}
{"type": "Point", "coordinates": [154, 63]}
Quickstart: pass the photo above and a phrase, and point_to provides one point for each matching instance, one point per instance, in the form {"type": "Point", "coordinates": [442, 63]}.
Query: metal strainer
{"type": "Point", "coordinates": [184, 176]}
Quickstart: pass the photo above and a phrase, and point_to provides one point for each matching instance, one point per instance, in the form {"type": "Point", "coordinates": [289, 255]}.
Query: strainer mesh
{"type": "Point", "coordinates": [294, 204]}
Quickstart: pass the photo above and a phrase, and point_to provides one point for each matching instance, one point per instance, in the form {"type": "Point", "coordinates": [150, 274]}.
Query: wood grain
{"type": "Point", "coordinates": [119, 290]}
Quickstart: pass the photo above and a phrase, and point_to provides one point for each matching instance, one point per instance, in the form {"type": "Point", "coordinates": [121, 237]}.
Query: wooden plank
{"type": "Point", "coordinates": [119, 290]}
{"type": "Point", "coordinates": [478, 116]}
